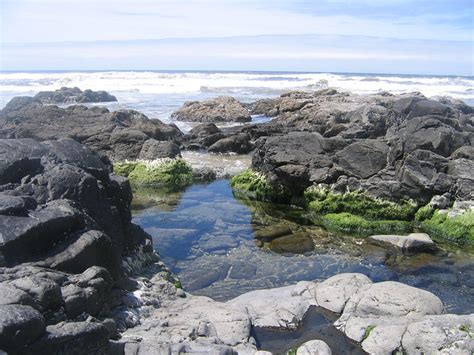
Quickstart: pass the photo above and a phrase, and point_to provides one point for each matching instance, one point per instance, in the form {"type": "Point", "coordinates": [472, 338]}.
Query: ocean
{"type": "Point", "coordinates": [158, 93]}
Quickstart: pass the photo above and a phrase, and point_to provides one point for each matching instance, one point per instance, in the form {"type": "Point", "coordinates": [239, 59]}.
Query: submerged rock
{"type": "Point", "coordinates": [407, 243]}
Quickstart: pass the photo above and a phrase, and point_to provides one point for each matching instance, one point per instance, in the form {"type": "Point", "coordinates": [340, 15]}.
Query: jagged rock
{"type": "Point", "coordinates": [19, 326]}
{"type": "Point", "coordinates": [45, 292]}
{"type": "Point", "coordinates": [364, 159]}
{"type": "Point", "coordinates": [220, 109]}
{"type": "Point", "coordinates": [314, 347]}
{"type": "Point", "coordinates": [67, 95]}
{"type": "Point", "coordinates": [407, 243]}
{"type": "Point", "coordinates": [119, 135]}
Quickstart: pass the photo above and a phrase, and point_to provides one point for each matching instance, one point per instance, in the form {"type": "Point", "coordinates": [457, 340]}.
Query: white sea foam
{"type": "Point", "coordinates": [128, 84]}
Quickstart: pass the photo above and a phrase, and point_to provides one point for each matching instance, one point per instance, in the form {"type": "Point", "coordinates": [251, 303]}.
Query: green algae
{"type": "Point", "coordinates": [322, 201]}
{"type": "Point", "coordinates": [255, 186]}
{"type": "Point", "coordinates": [458, 229]}
{"type": "Point", "coordinates": [172, 173]}
{"type": "Point", "coordinates": [350, 224]}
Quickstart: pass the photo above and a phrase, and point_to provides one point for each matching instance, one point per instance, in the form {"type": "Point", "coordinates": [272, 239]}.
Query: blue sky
{"type": "Point", "coordinates": [391, 36]}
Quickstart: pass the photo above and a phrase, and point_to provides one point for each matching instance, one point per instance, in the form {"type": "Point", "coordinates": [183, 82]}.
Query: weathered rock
{"type": "Point", "coordinates": [67, 95]}
{"type": "Point", "coordinates": [45, 292]}
{"type": "Point", "coordinates": [153, 149]}
{"type": "Point", "coordinates": [239, 143]}
{"type": "Point", "coordinates": [220, 109]}
{"type": "Point", "coordinates": [282, 307]}
{"type": "Point", "coordinates": [119, 135]}
{"type": "Point", "coordinates": [73, 338]}
{"type": "Point", "coordinates": [407, 243]}
{"type": "Point", "coordinates": [314, 347]}
{"type": "Point", "coordinates": [385, 303]}
{"type": "Point", "coordinates": [19, 326]}
{"type": "Point", "coordinates": [334, 292]}
{"type": "Point", "coordinates": [364, 159]}
{"type": "Point", "coordinates": [444, 334]}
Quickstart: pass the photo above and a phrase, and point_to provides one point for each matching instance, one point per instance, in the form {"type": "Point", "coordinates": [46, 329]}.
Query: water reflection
{"type": "Point", "coordinates": [221, 247]}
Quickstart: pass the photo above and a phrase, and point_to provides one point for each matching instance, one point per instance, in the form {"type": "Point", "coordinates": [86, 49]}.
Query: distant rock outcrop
{"type": "Point", "coordinates": [220, 109]}
{"type": "Point", "coordinates": [67, 95]}
{"type": "Point", "coordinates": [119, 135]}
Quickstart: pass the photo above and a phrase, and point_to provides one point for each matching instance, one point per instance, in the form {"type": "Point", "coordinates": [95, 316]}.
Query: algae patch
{"type": "Point", "coordinates": [173, 173]}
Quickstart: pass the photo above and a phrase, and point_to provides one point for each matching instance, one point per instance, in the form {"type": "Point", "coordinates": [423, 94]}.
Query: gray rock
{"type": "Point", "coordinates": [282, 307]}
{"type": "Point", "coordinates": [385, 303]}
{"type": "Point", "coordinates": [73, 338]}
{"type": "Point", "coordinates": [19, 326]}
{"type": "Point", "coordinates": [334, 292]}
{"type": "Point", "coordinates": [44, 291]}
{"type": "Point", "coordinates": [239, 143]}
{"type": "Point", "coordinates": [153, 149]}
{"type": "Point", "coordinates": [220, 109]}
{"type": "Point", "coordinates": [413, 242]}
{"type": "Point", "coordinates": [442, 334]}
{"type": "Point", "coordinates": [67, 95]}
{"type": "Point", "coordinates": [314, 347]}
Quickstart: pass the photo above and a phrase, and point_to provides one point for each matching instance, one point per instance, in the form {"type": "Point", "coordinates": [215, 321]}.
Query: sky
{"type": "Point", "coordinates": [380, 36]}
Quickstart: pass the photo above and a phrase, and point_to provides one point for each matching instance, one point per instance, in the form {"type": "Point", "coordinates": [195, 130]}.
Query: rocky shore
{"type": "Point", "coordinates": [77, 276]}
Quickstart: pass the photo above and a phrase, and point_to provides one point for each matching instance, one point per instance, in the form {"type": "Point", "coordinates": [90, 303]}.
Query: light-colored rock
{"type": "Point", "coordinates": [408, 243]}
{"type": "Point", "coordinates": [386, 303]}
{"type": "Point", "coordinates": [383, 339]}
{"type": "Point", "coordinates": [263, 352]}
{"type": "Point", "coordinates": [334, 292]}
{"type": "Point", "coordinates": [282, 307]}
{"type": "Point", "coordinates": [441, 334]}
{"type": "Point", "coordinates": [314, 347]}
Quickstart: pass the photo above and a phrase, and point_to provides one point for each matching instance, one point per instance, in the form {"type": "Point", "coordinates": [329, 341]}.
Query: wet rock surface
{"type": "Point", "coordinates": [393, 147]}
{"type": "Point", "coordinates": [65, 227]}
{"type": "Point", "coordinates": [119, 135]}
{"type": "Point", "coordinates": [67, 95]}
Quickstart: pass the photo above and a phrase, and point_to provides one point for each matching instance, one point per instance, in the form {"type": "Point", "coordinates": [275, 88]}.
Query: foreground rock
{"type": "Point", "coordinates": [220, 109]}
{"type": "Point", "coordinates": [383, 316]}
{"type": "Point", "coordinates": [65, 227]}
{"type": "Point", "coordinates": [120, 135]}
{"type": "Point", "coordinates": [67, 95]}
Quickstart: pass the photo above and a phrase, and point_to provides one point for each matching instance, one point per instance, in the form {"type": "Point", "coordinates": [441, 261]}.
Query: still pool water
{"type": "Point", "coordinates": [207, 237]}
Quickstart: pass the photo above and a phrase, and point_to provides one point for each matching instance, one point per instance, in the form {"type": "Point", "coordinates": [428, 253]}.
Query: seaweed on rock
{"type": "Point", "coordinates": [255, 186]}
{"type": "Point", "coordinates": [458, 229]}
{"type": "Point", "coordinates": [173, 173]}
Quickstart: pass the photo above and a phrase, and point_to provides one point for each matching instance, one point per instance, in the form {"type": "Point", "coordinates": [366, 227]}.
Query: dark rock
{"type": "Point", "coordinates": [73, 338]}
{"type": "Point", "coordinates": [19, 326]}
{"type": "Point", "coordinates": [297, 243]}
{"type": "Point", "coordinates": [66, 95]}
{"type": "Point", "coordinates": [239, 143]}
{"type": "Point", "coordinates": [153, 149]}
{"type": "Point", "coordinates": [45, 292]}
{"type": "Point", "coordinates": [118, 135]}
{"type": "Point", "coordinates": [220, 109]}
{"type": "Point", "coordinates": [364, 159]}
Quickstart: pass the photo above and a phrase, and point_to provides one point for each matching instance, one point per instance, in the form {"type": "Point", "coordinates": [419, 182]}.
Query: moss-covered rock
{"type": "Point", "coordinates": [458, 229]}
{"type": "Point", "coordinates": [322, 201]}
{"type": "Point", "coordinates": [173, 173]}
{"type": "Point", "coordinates": [348, 223]}
{"type": "Point", "coordinates": [424, 213]}
{"type": "Point", "coordinates": [125, 168]}
{"type": "Point", "coordinates": [255, 186]}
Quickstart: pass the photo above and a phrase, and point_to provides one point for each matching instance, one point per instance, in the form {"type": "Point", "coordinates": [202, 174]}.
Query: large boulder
{"type": "Point", "coordinates": [67, 95]}
{"type": "Point", "coordinates": [19, 327]}
{"type": "Point", "coordinates": [220, 109]}
{"type": "Point", "coordinates": [120, 134]}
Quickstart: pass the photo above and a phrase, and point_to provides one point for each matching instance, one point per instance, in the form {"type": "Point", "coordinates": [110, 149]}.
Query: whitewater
{"type": "Point", "coordinates": [159, 93]}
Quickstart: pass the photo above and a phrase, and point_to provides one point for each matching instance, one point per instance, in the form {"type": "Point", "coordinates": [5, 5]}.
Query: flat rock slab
{"type": "Point", "coordinates": [406, 243]}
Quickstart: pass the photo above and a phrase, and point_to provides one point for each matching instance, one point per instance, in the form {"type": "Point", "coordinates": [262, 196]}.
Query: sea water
{"type": "Point", "coordinates": [158, 93]}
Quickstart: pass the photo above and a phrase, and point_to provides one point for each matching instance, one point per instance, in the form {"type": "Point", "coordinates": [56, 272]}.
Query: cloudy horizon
{"type": "Point", "coordinates": [387, 36]}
